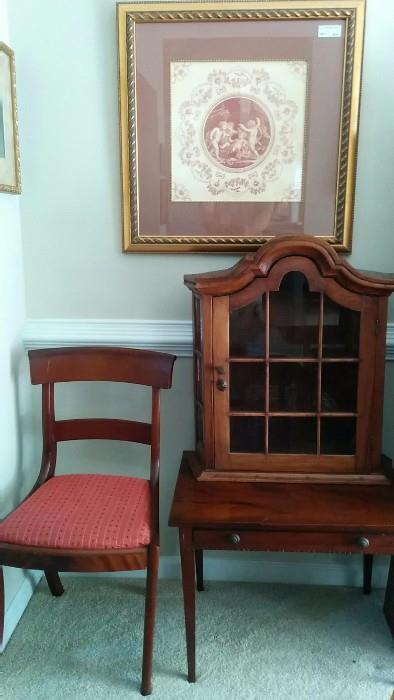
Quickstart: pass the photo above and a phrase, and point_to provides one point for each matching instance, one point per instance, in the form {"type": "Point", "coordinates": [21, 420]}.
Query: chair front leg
{"type": "Point", "coordinates": [189, 598]}
{"type": "Point", "coordinates": [54, 583]}
{"type": "Point", "coordinates": [150, 615]}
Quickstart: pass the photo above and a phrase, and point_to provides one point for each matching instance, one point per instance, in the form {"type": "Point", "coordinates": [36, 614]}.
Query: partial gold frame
{"type": "Point", "coordinates": [128, 15]}
{"type": "Point", "coordinates": [16, 188]}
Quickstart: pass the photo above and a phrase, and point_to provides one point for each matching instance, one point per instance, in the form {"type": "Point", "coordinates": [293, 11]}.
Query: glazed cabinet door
{"type": "Point", "coordinates": [293, 366]}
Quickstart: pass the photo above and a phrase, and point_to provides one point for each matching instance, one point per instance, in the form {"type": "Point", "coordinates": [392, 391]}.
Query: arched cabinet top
{"type": "Point", "coordinates": [259, 265]}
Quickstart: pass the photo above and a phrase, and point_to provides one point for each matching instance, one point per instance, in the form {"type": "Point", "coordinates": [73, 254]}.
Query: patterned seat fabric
{"type": "Point", "coordinates": [83, 511]}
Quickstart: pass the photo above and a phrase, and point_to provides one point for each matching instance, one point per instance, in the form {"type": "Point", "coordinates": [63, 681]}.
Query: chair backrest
{"type": "Point", "coordinates": [145, 367]}
{"type": "Point", "coordinates": [101, 364]}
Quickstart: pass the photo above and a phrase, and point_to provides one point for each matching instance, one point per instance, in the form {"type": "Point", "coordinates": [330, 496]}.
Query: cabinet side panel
{"type": "Point", "coordinates": [365, 399]}
{"type": "Point", "coordinates": [378, 389]}
{"type": "Point", "coordinates": [198, 375]}
{"type": "Point", "coordinates": [370, 389]}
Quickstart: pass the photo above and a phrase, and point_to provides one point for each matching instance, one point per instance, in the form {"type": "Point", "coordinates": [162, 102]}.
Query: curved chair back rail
{"type": "Point", "coordinates": [95, 364]}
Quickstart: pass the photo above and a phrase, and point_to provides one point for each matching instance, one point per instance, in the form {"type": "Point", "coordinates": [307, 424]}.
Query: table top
{"type": "Point", "coordinates": [270, 506]}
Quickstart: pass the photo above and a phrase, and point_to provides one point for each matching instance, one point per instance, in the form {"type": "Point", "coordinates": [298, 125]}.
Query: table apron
{"type": "Point", "coordinates": [293, 541]}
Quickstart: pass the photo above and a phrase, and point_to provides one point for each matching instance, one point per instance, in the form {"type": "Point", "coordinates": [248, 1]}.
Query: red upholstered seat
{"type": "Point", "coordinates": [83, 511]}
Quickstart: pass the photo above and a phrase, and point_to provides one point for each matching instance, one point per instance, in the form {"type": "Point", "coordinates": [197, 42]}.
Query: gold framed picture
{"type": "Point", "coordinates": [10, 177]}
{"type": "Point", "coordinates": [238, 122]}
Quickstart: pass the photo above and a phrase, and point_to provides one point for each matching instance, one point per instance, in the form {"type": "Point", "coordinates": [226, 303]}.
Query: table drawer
{"type": "Point", "coordinates": [276, 541]}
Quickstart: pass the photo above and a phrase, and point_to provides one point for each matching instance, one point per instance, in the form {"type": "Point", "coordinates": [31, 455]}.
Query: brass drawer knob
{"type": "Point", "coordinates": [363, 542]}
{"type": "Point", "coordinates": [234, 538]}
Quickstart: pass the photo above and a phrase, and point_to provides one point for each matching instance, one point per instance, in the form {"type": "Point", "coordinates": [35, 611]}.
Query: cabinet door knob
{"type": "Point", "coordinates": [363, 542]}
{"type": "Point", "coordinates": [234, 538]}
{"type": "Point", "coordinates": [221, 384]}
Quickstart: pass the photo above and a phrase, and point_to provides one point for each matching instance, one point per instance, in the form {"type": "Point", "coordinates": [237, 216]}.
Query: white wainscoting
{"type": "Point", "coordinates": [390, 342]}
{"type": "Point", "coordinates": [167, 336]}
{"type": "Point", "coordinates": [17, 606]}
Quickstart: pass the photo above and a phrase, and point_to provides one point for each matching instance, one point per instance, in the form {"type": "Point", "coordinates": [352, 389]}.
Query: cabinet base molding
{"type": "Point", "coordinates": [203, 474]}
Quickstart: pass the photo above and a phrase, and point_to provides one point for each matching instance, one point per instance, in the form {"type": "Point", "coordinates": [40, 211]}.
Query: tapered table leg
{"type": "Point", "coordinates": [199, 559]}
{"type": "Point", "coordinates": [368, 566]}
{"type": "Point", "coordinates": [388, 607]}
{"type": "Point", "coordinates": [189, 599]}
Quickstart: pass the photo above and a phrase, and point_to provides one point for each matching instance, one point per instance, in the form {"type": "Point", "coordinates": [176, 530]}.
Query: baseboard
{"type": "Point", "coordinates": [18, 604]}
{"type": "Point", "coordinates": [314, 570]}
{"type": "Point", "coordinates": [308, 570]}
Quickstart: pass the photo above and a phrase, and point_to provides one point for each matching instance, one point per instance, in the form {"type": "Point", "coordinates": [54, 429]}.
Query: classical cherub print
{"type": "Point", "coordinates": [256, 131]}
{"type": "Point", "coordinates": [220, 137]}
{"type": "Point", "coordinates": [237, 130]}
{"type": "Point", "coordinates": [242, 146]}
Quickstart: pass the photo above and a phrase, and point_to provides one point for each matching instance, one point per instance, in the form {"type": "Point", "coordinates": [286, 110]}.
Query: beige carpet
{"type": "Point", "coordinates": [255, 641]}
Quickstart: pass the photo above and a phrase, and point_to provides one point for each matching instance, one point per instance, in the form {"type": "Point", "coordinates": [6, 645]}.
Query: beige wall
{"type": "Point", "coordinates": [71, 217]}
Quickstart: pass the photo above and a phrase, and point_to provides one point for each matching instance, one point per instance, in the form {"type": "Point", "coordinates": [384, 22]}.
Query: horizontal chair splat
{"type": "Point", "coordinates": [102, 429]}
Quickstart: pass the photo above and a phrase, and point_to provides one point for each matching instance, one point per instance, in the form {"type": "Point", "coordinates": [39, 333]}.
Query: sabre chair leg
{"type": "Point", "coordinates": [368, 566]}
{"type": "Point", "coordinates": [150, 614]}
{"type": "Point", "coordinates": [2, 605]}
{"type": "Point", "coordinates": [54, 583]}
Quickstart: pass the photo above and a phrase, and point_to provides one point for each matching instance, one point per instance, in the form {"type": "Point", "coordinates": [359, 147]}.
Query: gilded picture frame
{"type": "Point", "coordinates": [10, 175]}
{"type": "Point", "coordinates": [238, 122]}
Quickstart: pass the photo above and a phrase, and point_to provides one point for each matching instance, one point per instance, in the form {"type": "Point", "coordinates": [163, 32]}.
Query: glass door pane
{"type": "Point", "coordinates": [294, 318]}
{"type": "Point", "coordinates": [247, 386]}
{"type": "Point", "coordinates": [247, 434]}
{"type": "Point", "coordinates": [197, 323]}
{"type": "Point", "coordinates": [341, 330]}
{"type": "Point", "coordinates": [339, 387]}
{"type": "Point", "coordinates": [247, 330]}
{"type": "Point", "coordinates": [338, 436]}
{"type": "Point", "coordinates": [293, 386]}
{"type": "Point", "coordinates": [289, 435]}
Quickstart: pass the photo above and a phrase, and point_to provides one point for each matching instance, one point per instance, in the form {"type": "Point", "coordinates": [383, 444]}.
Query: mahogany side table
{"type": "Point", "coordinates": [272, 517]}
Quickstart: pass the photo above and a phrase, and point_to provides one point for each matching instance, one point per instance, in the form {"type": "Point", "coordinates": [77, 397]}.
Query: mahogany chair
{"type": "Point", "coordinates": [89, 522]}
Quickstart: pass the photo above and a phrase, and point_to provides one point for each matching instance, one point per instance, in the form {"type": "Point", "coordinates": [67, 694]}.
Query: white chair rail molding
{"type": "Point", "coordinates": [164, 335]}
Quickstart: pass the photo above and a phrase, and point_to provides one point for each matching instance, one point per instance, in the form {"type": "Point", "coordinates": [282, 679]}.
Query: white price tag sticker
{"type": "Point", "coordinates": [329, 31]}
